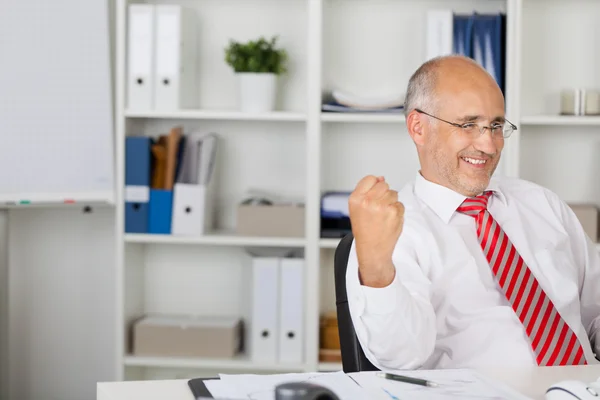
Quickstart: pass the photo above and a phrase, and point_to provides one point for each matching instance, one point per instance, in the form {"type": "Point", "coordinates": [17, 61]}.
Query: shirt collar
{"type": "Point", "coordinates": [444, 201]}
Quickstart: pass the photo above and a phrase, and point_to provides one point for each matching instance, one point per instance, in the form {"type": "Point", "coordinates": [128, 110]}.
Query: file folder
{"type": "Point", "coordinates": [440, 25]}
{"type": "Point", "coordinates": [159, 213]}
{"type": "Point", "coordinates": [487, 45]}
{"type": "Point", "coordinates": [175, 58]}
{"type": "Point", "coordinates": [291, 313]}
{"type": "Point", "coordinates": [140, 74]}
{"type": "Point", "coordinates": [264, 332]}
{"type": "Point", "coordinates": [463, 35]}
{"type": "Point", "coordinates": [193, 199]}
{"type": "Point", "coordinates": [137, 183]}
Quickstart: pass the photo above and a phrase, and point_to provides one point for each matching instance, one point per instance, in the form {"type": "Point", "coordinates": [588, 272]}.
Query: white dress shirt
{"type": "Point", "coordinates": [445, 310]}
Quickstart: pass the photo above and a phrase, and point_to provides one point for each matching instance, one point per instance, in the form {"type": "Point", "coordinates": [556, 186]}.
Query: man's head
{"type": "Point", "coordinates": [457, 90]}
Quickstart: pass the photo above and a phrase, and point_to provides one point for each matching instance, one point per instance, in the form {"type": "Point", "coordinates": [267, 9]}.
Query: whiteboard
{"type": "Point", "coordinates": [56, 121]}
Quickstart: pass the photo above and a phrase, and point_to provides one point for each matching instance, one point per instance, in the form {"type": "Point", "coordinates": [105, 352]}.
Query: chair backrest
{"type": "Point", "coordinates": [353, 357]}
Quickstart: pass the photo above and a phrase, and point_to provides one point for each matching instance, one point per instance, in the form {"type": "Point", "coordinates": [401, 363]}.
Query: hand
{"type": "Point", "coordinates": [377, 218]}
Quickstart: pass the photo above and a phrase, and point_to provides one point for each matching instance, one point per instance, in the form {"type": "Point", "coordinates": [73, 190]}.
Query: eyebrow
{"type": "Point", "coordinates": [473, 118]}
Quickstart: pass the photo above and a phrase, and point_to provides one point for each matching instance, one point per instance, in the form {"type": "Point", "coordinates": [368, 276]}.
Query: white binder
{"type": "Point", "coordinates": [440, 25]}
{"type": "Point", "coordinates": [175, 59]}
{"type": "Point", "coordinates": [140, 53]}
{"type": "Point", "coordinates": [291, 314]}
{"type": "Point", "coordinates": [265, 309]}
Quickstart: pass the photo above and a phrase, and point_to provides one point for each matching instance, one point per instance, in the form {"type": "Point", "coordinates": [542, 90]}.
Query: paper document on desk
{"type": "Point", "coordinates": [262, 387]}
{"type": "Point", "coordinates": [452, 384]}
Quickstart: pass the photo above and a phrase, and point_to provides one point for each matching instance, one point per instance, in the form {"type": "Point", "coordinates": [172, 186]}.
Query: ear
{"type": "Point", "coordinates": [416, 128]}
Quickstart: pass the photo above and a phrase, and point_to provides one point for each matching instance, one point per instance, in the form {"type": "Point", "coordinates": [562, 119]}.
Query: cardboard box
{"type": "Point", "coordinates": [175, 336]}
{"type": "Point", "coordinates": [274, 220]}
{"type": "Point", "coordinates": [587, 214]}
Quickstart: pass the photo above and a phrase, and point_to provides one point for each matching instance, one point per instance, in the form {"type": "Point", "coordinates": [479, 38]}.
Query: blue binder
{"type": "Point", "coordinates": [138, 169]}
{"type": "Point", "coordinates": [463, 35]}
{"type": "Point", "coordinates": [488, 42]}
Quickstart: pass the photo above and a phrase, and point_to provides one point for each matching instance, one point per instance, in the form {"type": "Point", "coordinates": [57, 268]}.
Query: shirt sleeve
{"type": "Point", "coordinates": [588, 260]}
{"type": "Point", "coordinates": [396, 324]}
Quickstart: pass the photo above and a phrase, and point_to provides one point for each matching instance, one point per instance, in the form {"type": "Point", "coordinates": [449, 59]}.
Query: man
{"type": "Point", "coordinates": [460, 269]}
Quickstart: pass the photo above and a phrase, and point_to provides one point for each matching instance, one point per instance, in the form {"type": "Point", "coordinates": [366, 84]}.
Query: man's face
{"type": "Point", "coordinates": [464, 160]}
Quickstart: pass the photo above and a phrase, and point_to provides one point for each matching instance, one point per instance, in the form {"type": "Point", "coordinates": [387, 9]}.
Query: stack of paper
{"type": "Point", "coordinates": [262, 387]}
{"type": "Point", "coordinates": [452, 384]}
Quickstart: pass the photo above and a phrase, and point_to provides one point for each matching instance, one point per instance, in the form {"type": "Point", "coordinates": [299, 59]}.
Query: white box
{"type": "Point", "coordinates": [140, 57]}
{"type": "Point", "coordinates": [192, 209]}
{"type": "Point", "coordinates": [175, 59]}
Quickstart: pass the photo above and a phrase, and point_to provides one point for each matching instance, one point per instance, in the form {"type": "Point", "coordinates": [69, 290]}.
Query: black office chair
{"type": "Point", "coordinates": [353, 357]}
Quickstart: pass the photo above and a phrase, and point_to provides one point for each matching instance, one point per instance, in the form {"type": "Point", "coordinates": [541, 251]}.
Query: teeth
{"type": "Point", "coordinates": [473, 161]}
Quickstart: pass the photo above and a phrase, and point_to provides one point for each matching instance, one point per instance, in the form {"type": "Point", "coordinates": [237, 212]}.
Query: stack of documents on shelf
{"type": "Point", "coordinates": [168, 183]}
{"type": "Point", "coordinates": [478, 36]}
{"type": "Point", "coordinates": [452, 384]}
{"type": "Point", "coordinates": [348, 102]}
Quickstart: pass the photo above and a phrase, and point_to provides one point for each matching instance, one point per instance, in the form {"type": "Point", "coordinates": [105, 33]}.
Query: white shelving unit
{"type": "Point", "coordinates": [301, 151]}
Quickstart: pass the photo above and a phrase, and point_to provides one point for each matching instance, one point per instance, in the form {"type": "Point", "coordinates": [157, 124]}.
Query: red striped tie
{"type": "Point", "coordinates": [553, 342]}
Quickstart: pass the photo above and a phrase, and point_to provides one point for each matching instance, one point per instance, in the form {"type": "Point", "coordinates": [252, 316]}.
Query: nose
{"type": "Point", "coordinates": [488, 142]}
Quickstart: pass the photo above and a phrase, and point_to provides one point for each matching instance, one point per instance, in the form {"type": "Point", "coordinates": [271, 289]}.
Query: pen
{"type": "Point", "coordinates": [407, 379]}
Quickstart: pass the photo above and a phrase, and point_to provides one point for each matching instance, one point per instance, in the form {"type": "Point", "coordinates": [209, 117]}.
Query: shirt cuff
{"type": "Point", "coordinates": [381, 301]}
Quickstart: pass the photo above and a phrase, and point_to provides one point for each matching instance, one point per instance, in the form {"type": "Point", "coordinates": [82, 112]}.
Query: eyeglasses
{"type": "Point", "coordinates": [471, 128]}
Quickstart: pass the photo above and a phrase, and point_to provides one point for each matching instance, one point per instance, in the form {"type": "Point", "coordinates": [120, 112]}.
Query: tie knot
{"type": "Point", "coordinates": [474, 205]}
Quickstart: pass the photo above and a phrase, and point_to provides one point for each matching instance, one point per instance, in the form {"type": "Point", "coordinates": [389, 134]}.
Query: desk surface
{"type": "Point", "coordinates": [530, 382]}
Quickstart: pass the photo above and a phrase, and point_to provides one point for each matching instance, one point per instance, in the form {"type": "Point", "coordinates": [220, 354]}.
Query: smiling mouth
{"type": "Point", "coordinates": [474, 161]}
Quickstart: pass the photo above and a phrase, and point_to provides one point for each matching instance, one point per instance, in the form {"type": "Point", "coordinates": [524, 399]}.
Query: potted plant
{"type": "Point", "coordinates": [256, 63]}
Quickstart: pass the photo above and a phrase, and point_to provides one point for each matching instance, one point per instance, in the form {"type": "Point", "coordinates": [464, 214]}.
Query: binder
{"type": "Point", "coordinates": [137, 183]}
{"type": "Point", "coordinates": [291, 314]}
{"type": "Point", "coordinates": [140, 54]}
{"type": "Point", "coordinates": [265, 310]}
{"type": "Point", "coordinates": [193, 198]}
{"type": "Point", "coordinates": [166, 159]}
{"type": "Point", "coordinates": [175, 59]}
{"type": "Point", "coordinates": [463, 35]}
{"type": "Point", "coordinates": [487, 45]}
{"type": "Point", "coordinates": [440, 25]}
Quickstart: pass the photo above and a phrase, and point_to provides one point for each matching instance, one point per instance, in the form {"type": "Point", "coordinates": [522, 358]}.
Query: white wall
{"type": "Point", "coordinates": [62, 275]}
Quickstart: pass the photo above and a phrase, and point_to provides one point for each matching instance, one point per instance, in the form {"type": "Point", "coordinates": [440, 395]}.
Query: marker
{"type": "Point", "coordinates": [24, 202]}
{"type": "Point", "coordinates": [69, 201]}
{"type": "Point", "coordinates": [407, 379]}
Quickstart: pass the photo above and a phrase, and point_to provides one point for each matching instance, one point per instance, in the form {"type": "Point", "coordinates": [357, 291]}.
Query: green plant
{"type": "Point", "coordinates": [256, 56]}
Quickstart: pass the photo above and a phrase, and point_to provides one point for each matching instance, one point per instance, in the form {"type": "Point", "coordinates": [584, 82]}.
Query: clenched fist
{"type": "Point", "coordinates": [377, 218]}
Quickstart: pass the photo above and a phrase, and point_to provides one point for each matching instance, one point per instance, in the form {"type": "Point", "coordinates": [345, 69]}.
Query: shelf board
{"type": "Point", "coordinates": [329, 243]}
{"type": "Point", "coordinates": [218, 115]}
{"type": "Point", "coordinates": [216, 238]}
{"type": "Point", "coordinates": [239, 363]}
{"type": "Point", "coordinates": [560, 120]}
{"type": "Point", "coordinates": [362, 117]}
{"type": "Point", "coordinates": [330, 366]}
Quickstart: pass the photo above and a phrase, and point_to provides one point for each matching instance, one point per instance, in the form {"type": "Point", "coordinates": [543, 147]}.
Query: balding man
{"type": "Point", "coordinates": [460, 269]}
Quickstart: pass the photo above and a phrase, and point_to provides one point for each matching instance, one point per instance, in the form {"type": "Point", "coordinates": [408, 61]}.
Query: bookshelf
{"type": "Point", "coordinates": [310, 151]}
{"type": "Point", "coordinates": [297, 151]}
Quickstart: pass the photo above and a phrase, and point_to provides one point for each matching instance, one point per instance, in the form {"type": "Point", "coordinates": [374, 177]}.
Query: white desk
{"type": "Point", "coordinates": [530, 382]}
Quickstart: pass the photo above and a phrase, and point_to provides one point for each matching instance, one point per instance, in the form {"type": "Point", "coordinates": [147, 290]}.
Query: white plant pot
{"type": "Point", "coordinates": [257, 91]}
